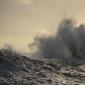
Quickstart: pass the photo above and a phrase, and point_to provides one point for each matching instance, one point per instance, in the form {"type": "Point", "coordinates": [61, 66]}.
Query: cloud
{"type": "Point", "coordinates": [27, 2]}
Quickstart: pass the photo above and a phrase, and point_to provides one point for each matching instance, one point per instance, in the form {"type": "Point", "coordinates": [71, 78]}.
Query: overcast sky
{"type": "Point", "coordinates": [21, 20]}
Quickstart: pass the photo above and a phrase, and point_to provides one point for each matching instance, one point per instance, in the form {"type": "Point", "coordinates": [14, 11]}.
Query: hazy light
{"type": "Point", "coordinates": [28, 2]}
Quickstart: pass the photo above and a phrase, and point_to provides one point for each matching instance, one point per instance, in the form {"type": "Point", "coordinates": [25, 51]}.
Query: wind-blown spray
{"type": "Point", "coordinates": [67, 46]}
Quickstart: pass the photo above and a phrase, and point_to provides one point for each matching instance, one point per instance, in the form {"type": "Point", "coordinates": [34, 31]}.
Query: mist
{"type": "Point", "coordinates": [66, 45]}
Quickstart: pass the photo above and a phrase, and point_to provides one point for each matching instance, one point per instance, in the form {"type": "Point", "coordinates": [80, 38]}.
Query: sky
{"type": "Point", "coordinates": [21, 20]}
